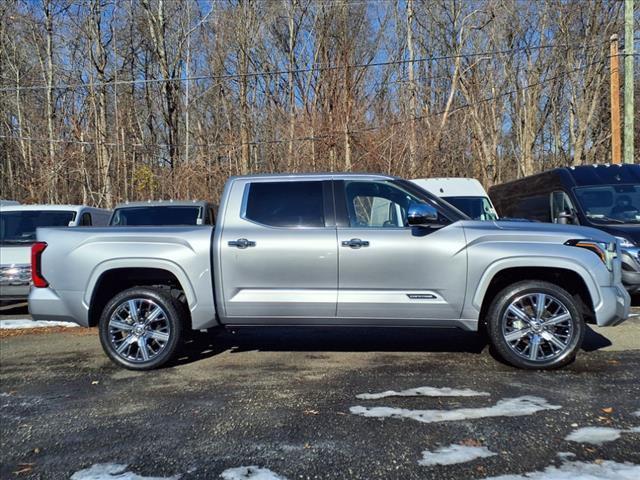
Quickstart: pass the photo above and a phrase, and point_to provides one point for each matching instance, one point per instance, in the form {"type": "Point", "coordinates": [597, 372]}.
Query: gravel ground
{"type": "Point", "coordinates": [280, 399]}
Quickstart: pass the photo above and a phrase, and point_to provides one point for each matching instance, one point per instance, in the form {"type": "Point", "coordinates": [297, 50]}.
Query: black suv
{"type": "Point", "coordinates": [606, 197]}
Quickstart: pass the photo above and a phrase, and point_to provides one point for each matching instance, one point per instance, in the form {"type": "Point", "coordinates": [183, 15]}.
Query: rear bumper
{"type": "Point", "coordinates": [614, 306]}
{"type": "Point", "coordinates": [45, 304]}
{"type": "Point", "coordinates": [14, 292]}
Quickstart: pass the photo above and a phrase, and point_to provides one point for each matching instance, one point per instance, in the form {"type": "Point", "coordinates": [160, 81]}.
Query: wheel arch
{"type": "Point", "coordinates": [578, 284]}
{"type": "Point", "coordinates": [110, 278]}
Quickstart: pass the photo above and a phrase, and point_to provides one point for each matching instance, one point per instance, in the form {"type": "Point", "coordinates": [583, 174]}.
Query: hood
{"type": "Point", "coordinates": [536, 231]}
{"type": "Point", "coordinates": [630, 232]}
{"type": "Point", "coordinates": [15, 254]}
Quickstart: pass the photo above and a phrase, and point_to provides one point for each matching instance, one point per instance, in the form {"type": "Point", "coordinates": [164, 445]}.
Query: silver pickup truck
{"type": "Point", "coordinates": [332, 250]}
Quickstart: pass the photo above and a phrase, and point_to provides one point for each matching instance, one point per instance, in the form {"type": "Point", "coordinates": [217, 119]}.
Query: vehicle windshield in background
{"type": "Point", "coordinates": [20, 226]}
{"type": "Point", "coordinates": [478, 208]}
{"type": "Point", "coordinates": [610, 203]}
{"type": "Point", "coordinates": [156, 216]}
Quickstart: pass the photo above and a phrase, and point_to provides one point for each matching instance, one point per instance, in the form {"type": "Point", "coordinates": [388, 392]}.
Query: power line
{"type": "Point", "coordinates": [315, 68]}
{"type": "Point", "coordinates": [314, 137]}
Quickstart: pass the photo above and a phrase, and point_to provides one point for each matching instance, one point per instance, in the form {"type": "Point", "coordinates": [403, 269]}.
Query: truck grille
{"type": "Point", "coordinates": [15, 274]}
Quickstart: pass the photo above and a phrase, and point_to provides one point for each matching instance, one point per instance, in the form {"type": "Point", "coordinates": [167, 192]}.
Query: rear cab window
{"type": "Point", "coordinates": [165, 215]}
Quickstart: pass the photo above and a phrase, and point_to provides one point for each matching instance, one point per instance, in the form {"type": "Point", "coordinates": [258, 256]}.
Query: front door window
{"type": "Point", "coordinates": [377, 204]}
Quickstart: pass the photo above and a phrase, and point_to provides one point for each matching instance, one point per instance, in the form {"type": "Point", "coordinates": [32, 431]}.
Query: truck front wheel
{"type": "Point", "coordinates": [141, 328]}
{"type": "Point", "coordinates": [535, 325]}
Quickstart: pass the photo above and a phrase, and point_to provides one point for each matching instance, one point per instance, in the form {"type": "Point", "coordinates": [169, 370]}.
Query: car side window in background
{"type": "Point", "coordinates": [85, 221]}
{"type": "Point", "coordinates": [536, 207]}
{"type": "Point", "coordinates": [286, 204]}
{"type": "Point", "coordinates": [377, 204]}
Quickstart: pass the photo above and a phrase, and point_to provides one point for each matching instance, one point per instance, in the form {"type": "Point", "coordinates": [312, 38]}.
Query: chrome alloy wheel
{"type": "Point", "coordinates": [139, 330]}
{"type": "Point", "coordinates": [537, 327]}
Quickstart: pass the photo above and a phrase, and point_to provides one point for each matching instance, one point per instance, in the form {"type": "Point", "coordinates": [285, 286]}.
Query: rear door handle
{"type": "Point", "coordinates": [355, 243]}
{"type": "Point", "coordinates": [242, 243]}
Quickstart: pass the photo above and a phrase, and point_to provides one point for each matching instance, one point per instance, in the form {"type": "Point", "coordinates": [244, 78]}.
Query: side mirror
{"type": "Point", "coordinates": [421, 214]}
{"type": "Point", "coordinates": [565, 217]}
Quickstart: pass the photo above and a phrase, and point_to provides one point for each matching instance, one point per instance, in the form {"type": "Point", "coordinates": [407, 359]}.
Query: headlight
{"type": "Point", "coordinates": [605, 251]}
{"type": "Point", "coordinates": [625, 242]}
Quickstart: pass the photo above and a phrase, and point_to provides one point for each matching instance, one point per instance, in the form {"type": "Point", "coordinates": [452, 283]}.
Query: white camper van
{"type": "Point", "coordinates": [18, 225]}
{"type": "Point", "coordinates": [466, 194]}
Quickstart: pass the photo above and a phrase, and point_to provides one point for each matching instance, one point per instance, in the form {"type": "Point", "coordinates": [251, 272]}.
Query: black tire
{"type": "Point", "coordinates": [498, 321]}
{"type": "Point", "coordinates": [172, 317]}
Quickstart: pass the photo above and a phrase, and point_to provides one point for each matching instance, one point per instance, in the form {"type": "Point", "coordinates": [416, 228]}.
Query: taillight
{"type": "Point", "coordinates": [36, 265]}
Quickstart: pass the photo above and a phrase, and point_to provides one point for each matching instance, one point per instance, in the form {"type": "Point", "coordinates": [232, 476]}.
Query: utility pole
{"type": "Point", "coordinates": [187, 73]}
{"type": "Point", "coordinates": [628, 82]}
{"type": "Point", "coordinates": [615, 99]}
{"type": "Point", "coordinates": [413, 140]}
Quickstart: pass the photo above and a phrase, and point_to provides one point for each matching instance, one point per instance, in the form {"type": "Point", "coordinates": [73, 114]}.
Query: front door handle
{"type": "Point", "coordinates": [242, 243]}
{"type": "Point", "coordinates": [355, 243]}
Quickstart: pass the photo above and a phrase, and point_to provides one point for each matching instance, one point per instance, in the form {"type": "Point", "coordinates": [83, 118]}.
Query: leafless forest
{"type": "Point", "coordinates": [108, 100]}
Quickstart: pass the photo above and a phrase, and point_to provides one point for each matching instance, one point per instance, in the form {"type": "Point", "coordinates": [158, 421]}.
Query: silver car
{"type": "Point", "coordinates": [332, 249]}
{"type": "Point", "coordinates": [18, 225]}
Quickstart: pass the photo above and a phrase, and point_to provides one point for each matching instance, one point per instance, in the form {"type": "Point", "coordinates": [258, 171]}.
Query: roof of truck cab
{"type": "Point", "coordinates": [320, 176]}
{"type": "Point", "coordinates": [58, 208]}
{"type": "Point", "coordinates": [164, 203]}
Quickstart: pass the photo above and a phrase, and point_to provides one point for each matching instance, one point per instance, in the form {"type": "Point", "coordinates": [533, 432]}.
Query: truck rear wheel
{"type": "Point", "coordinates": [141, 328]}
{"type": "Point", "coordinates": [535, 325]}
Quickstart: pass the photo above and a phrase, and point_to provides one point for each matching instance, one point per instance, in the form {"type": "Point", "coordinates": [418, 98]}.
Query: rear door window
{"type": "Point", "coordinates": [286, 204]}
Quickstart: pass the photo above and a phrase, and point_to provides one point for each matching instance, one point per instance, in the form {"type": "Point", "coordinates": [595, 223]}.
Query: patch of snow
{"type": "Point", "coordinates": [598, 435]}
{"type": "Point", "coordinates": [594, 435]}
{"type": "Point", "coordinates": [423, 392]}
{"type": "Point", "coordinates": [112, 471]}
{"type": "Point", "coordinates": [637, 413]}
{"type": "Point", "coordinates": [454, 454]}
{"type": "Point", "coordinates": [565, 455]}
{"type": "Point", "coordinates": [508, 407]}
{"type": "Point", "coordinates": [26, 323]}
{"type": "Point", "coordinates": [606, 470]}
{"type": "Point", "coordinates": [250, 473]}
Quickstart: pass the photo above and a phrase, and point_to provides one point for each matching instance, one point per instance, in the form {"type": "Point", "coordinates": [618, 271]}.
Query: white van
{"type": "Point", "coordinates": [18, 225]}
{"type": "Point", "coordinates": [466, 194]}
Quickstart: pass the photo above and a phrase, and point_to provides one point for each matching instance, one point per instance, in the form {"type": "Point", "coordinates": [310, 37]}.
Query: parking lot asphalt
{"type": "Point", "coordinates": [287, 400]}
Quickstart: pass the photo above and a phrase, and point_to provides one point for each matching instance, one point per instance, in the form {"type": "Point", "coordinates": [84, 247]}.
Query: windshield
{"type": "Point", "coordinates": [610, 203]}
{"type": "Point", "coordinates": [20, 226]}
{"type": "Point", "coordinates": [156, 216]}
{"type": "Point", "coordinates": [478, 208]}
